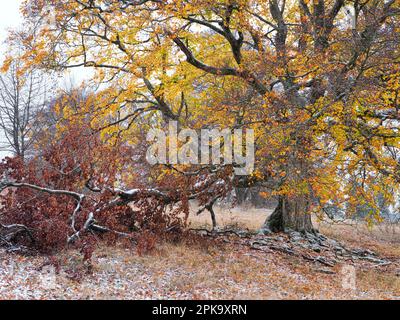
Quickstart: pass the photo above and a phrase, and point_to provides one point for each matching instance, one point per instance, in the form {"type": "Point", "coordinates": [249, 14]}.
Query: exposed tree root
{"type": "Point", "coordinates": [312, 247]}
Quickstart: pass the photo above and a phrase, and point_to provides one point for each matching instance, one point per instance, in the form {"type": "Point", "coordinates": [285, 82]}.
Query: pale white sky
{"type": "Point", "coordinates": [10, 17]}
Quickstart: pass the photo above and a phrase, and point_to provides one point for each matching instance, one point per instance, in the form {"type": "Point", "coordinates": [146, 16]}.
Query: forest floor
{"type": "Point", "coordinates": [352, 262]}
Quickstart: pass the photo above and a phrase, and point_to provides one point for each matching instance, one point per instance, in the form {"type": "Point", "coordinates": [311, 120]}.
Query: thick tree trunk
{"type": "Point", "coordinates": [290, 215]}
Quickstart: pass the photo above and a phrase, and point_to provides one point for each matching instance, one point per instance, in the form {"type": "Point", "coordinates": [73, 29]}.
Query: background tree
{"type": "Point", "coordinates": [320, 91]}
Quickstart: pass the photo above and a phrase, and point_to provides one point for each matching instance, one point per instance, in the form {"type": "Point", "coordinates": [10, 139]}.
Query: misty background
{"type": "Point", "coordinates": [10, 17]}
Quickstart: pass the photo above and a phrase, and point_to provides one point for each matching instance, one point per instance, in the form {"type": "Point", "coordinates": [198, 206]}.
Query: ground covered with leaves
{"type": "Point", "coordinates": [228, 265]}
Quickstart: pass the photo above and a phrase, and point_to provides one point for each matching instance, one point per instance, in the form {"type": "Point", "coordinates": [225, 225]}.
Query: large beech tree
{"type": "Point", "coordinates": [318, 81]}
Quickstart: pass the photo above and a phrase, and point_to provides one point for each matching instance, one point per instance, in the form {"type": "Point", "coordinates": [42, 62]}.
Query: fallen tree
{"type": "Point", "coordinates": [67, 194]}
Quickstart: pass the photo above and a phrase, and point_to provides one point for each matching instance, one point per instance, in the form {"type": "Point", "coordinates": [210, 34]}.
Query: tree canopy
{"type": "Point", "coordinates": [318, 81]}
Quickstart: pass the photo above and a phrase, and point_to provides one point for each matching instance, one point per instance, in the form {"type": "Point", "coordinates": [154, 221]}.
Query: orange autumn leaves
{"type": "Point", "coordinates": [325, 122]}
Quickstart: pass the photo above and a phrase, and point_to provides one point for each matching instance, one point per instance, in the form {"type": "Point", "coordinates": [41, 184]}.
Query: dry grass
{"type": "Point", "coordinates": [386, 282]}
{"type": "Point", "coordinates": [183, 271]}
{"type": "Point", "coordinates": [211, 271]}
{"type": "Point", "coordinates": [383, 238]}
{"type": "Point", "coordinates": [241, 217]}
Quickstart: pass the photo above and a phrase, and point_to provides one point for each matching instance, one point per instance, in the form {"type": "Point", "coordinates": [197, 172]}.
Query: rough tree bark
{"type": "Point", "coordinates": [290, 215]}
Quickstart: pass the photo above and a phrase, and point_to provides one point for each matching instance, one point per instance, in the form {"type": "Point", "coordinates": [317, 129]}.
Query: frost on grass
{"type": "Point", "coordinates": [233, 271]}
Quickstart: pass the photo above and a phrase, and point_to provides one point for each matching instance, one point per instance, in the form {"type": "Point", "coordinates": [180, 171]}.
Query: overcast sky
{"type": "Point", "coordinates": [10, 17]}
